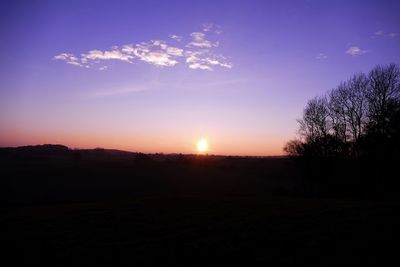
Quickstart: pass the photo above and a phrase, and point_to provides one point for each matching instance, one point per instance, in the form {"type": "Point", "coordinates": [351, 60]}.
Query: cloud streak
{"type": "Point", "coordinates": [207, 27]}
{"type": "Point", "coordinates": [199, 40]}
{"type": "Point", "coordinates": [106, 55]}
{"type": "Point", "coordinates": [176, 37]}
{"type": "Point", "coordinates": [69, 59]}
{"type": "Point", "coordinates": [120, 91]}
{"type": "Point", "coordinates": [198, 54]}
{"type": "Point", "coordinates": [355, 51]}
{"type": "Point", "coordinates": [321, 56]}
{"type": "Point", "coordinates": [381, 33]}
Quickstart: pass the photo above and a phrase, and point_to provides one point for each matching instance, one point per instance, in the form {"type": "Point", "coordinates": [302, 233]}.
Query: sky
{"type": "Point", "coordinates": [157, 76]}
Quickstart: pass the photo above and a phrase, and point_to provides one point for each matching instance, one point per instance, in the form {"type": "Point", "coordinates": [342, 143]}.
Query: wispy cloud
{"type": "Point", "coordinates": [199, 53]}
{"type": "Point", "coordinates": [120, 91]}
{"type": "Point", "coordinates": [174, 51]}
{"type": "Point", "coordinates": [205, 60]}
{"type": "Point", "coordinates": [69, 59]}
{"type": "Point", "coordinates": [106, 55]}
{"type": "Point", "coordinates": [382, 34]}
{"type": "Point", "coordinates": [176, 37]}
{"type": "Point", "coordinates": [207, 27]}
{"type": "Point", "coordinates": [321, 56]}
{"type": "Point", "coordinates": [196, 66]}
{"type": "Point", "coordinates": [155, 52]}
{"type": "Point", "coordinates": [199, 40]}
{"type": "Point", "coordinates": [159, 58]}
{"type": "Point", "coordinates": [355, 51]}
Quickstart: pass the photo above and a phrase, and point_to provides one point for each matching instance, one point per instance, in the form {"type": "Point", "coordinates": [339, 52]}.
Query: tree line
{"type": "Point", "coordinates": [360, 118]}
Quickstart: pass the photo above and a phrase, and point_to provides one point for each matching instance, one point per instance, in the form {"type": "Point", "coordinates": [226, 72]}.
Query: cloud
{"type": "Point", "coordinates": [174, 51]}
{"type": "Point", "coordinates": [159, 58]}
{"type": "Point", "coordinates": [381, 33]}
{"type": "Point", "coordinates": [106, 55]}
{"type": "Point", "coordinates": [355, 51]}
{"type": "Point", "coordinates": [176, 37]}
{"type": "Point", "coordinates": [218, 62]}
{"type": "Point", "coordinates": [86, 60]}
{"type": "Point", "coordinates": [196, 66]}
{"type": "Point", "coordinates": [64, 56]}
{"type": "Point", "coordinates": [198, 40]}
{"type": "Point", "coordinates": [321, 56]}
{"type": "Point", "coordinates": [155, 52]}
{"type": "Point", "coordinates": [205, 60]}
{"type": "Point", "coordinates": [69, 59]}
{"type": "Point", "coordinates": [198, 36]}
{"type": "Point", "coordinates": [159, 43]}
{"type": "Point", "coordinates": [199, 53]}
{"type": "Point", "coordinates": [207, 27]}
{"type": "Point", "coordinates": [192, 57]}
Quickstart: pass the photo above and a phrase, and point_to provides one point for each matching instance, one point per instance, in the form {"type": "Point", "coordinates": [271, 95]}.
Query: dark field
{"type": "Point", "coordinates": [100, 207]}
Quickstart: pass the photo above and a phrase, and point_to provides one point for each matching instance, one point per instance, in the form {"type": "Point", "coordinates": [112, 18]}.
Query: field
{"type": "Point", "coordinates": [111, 208]}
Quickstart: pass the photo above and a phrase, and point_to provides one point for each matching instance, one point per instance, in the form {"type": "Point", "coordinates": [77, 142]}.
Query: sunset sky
{"type": "Point", "coordinates": [157, 76]}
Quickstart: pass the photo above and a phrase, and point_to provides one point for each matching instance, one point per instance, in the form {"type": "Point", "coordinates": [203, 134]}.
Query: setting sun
{"type": "Point", "coordinates": [202, 145]}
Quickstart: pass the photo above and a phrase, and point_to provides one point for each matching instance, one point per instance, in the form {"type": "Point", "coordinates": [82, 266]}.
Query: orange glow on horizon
{"type": "Point", "coordinates": [139, 142]}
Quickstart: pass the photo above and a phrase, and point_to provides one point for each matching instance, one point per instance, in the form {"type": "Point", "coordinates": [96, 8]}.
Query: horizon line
{"type": "Point", "coordinates": [153, 153]}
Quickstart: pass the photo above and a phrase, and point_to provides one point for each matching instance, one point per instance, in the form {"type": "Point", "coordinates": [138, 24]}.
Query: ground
{"type": "Point", "coordinates": [205, 231]}
{"type": "Point", "coordinates": [67, 208]}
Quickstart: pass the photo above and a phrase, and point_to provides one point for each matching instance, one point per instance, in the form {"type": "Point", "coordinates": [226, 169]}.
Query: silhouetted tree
{"type": "Point", "coordinates": [351, 137]}
{"type": "Point", "coordinates": [348, 107]}
{"type": "Point", "coordinates": [316, 130]}
{"type": "Point", "coordinates": [294, 148]}
{"type": "Point", "coordinates": [337, 114]}
{"type": "Point", "coordinates": [314, 124]}
{"type": "Point", "coordinates": [360, 116]}
{"type": "Point", "coordinates": [383, 95]}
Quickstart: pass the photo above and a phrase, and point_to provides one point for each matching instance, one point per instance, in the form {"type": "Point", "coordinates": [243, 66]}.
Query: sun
{"type": "Point", "coordinates": [202, 145]}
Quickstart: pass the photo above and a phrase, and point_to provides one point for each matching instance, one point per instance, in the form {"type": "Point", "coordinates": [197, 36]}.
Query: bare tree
{"type": "Point", "coordinates": [349, 108]}
{"type": "Point", "coordinates": [337, 113]}
{"type": "Point", "coordinates": [383, 90]}
{"type": "Point", "coordinates": [359, 117]}
{"type": "Point", "coordinates": [314, 124]}
{"type": "Point", "coordinates": [357, 105]}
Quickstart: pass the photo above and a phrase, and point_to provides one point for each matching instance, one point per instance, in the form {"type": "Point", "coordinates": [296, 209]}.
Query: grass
{"type": "Point", "coordinates": [205, 231]}
{"type": "Point", "coordinates": [124, 210]}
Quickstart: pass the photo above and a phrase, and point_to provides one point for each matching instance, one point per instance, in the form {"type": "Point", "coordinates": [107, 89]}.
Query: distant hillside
{"type": "Point", "coordinates": [58, 150]}
{"type": "Point", "coordinates": [46, 149]}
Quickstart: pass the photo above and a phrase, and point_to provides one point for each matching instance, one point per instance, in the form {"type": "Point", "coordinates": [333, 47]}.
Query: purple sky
{"type": "Point", "coordinates": [155, 76]}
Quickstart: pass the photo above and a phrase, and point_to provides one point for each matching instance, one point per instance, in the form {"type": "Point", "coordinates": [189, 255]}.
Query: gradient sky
{"type": "Point", "coordinates": [155, 76]}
